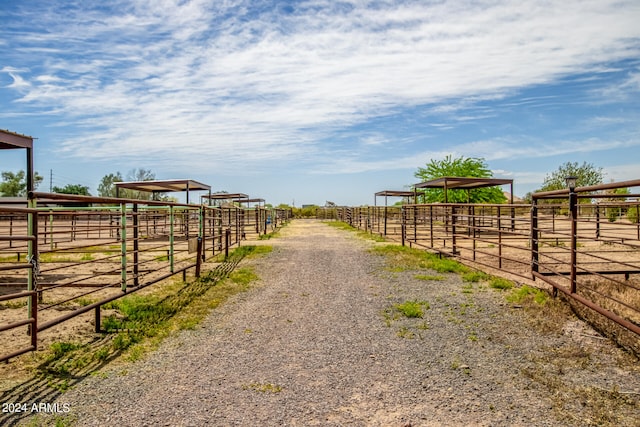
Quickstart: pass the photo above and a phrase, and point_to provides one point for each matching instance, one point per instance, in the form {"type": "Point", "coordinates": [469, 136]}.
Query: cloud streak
{"type": "Point", "coordinates": [245, 83]}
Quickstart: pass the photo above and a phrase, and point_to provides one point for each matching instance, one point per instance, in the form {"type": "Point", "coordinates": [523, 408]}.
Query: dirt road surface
{"type": "Point", "coordinates": [319, 341]}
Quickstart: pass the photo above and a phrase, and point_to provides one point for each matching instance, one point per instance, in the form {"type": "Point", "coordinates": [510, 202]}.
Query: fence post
{"type": "Point", "coordinates": [136, 246]}
{"type": "Point", "coordinates": [171, 238]}
{"type": "Point", "coordinates": [199, 257]}
{"type": "Point", "coordinates": [123, 247]}
{"type": "Point", "coordinates": [499, 238]}
{"type": "Point", "coordinates": [97, 321]}
{"type": "Point", "coordinates": [385, 219]}
{"type": "Point", "coordinates": [453, 229]}
{"type": "Point", "coordinates": [201, 232]}
{"type": "Point", "coordinates": [573, 209]}
{"type": "Point", "coordinates": [415, 223]}
{"type": "Point", "coordinates": [431, 225]}
{"type": "Point", "coordinates": [473, 226]}
{"type": "Point", "coordinates": [32, 279]}
{"type": "Point", "coordinates": [403, 227]}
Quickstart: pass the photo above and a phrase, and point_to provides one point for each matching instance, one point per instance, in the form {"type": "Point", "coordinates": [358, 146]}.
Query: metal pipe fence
{"type": "Point", "coordinates": [59, 262]}
{"type": "Point", "coordinates": [589, 249]}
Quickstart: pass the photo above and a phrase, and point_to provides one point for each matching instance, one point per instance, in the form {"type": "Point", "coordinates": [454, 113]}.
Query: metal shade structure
{"type": "Point", "coordinates": [220, 196]}
{"type": "Point", "coordinates": [164, 186]}
{"type": "Point", "coordinates": [11, 140]}
{"type": "Point", "coordinates": [464, 183]}
{"type": "Point", "coordinates": [392, 193]}
{"type": "Point", "coordinates": [247, 201]}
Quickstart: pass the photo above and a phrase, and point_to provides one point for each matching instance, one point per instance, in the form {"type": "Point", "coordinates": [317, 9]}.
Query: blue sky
{"type": "Point", "coordinates": [308, 101]}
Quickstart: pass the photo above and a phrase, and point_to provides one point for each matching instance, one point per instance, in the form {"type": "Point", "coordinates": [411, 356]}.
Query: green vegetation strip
{"type": "Point", "coordinates": [141, 322]}
{"type": "Point", "coordinates": [403, 258]}
{"type": "Point", "coordinates": [344, 226]}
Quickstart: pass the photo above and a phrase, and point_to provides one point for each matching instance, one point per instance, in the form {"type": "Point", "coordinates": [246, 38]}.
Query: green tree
{"type": "Point", "coordinates": [15, 184]}
{"type": "Point", "coordinates": [614, 212]}
{"type": "Point", "coordinates": [305, 212]}
{"type": "Point", "coordinates": [586, 173]}
{"type": "Point", "coordinates": [82, 190]}
{"type": "Point", "coordinates": [466, 167]}
{"type": "Point", "coordinates": [141, 174]}
{"type": "Point", "coordinates": [137, 175]}
{"type": "Point", "coordinates": [107, 187]}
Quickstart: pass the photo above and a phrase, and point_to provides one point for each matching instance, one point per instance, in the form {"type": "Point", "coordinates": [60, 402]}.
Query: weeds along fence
{"type": "Point", "coordinates": [586, 244]}
{"type": "Point", "coordinates": [590, 253]}
{"type": "Point", "coordinates": [59, 262]}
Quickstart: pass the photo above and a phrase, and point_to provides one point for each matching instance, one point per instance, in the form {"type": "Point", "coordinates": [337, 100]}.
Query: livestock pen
{"type": "Point", "coordinates": [583, 242]}
{"type": "Point", "coordinates": [58, 262]}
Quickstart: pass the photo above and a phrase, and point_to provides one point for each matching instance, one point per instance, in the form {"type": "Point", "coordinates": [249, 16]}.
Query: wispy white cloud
{"type": "Point", "coordinates": [242, 84]}
{"type": "Point", "coordinates": [489, 150]}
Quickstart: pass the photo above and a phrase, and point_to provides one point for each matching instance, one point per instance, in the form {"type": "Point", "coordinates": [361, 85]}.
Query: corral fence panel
{"type": "Point", "coordinates": [59, 262]}
{"type": "Point", "coordinates": [584, 243]}
{"type": "Point", "coordinates": [588, 247]}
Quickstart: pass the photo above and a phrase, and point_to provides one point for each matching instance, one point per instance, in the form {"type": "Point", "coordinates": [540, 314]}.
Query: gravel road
{"type": "Point", "coordinates": [316, 342]}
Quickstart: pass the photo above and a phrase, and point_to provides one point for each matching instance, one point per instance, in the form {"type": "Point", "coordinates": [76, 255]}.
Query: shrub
{"type": "Point", "coordinates": [500, 283]}
{"type": "Point", "coordinates": [632, 214]}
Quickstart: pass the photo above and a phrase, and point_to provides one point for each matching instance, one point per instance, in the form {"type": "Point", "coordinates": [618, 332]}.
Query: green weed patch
{"type": "Point", "coordinates": [412, 309]}
{"type": "Point", "coordinates": [500, 283]}
{"type": "Point", "coordinates": [344, 226]}
{"type": "Point", "coordinates": [405, 258]}
{"type": "Point", "coordinates": [528, 294]}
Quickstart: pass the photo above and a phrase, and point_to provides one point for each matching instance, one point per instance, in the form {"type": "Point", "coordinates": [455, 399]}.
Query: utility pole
{"type": "Point", "coordinates": [50, 180]}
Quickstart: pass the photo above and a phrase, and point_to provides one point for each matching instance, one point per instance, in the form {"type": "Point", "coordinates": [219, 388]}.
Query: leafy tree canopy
{"type": "Point", "coordinates": [15, 184]}
{"type": "Point", "coordinates": [586, 173]}
{"type": "Point", "coordinates": [467, 167]}
{"type": "Point", "coordinates": [107, 187]}
{"type": "Point", "coordinates": [72, 189]}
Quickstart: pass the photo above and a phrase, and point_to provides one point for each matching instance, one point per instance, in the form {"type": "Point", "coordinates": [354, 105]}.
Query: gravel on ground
{"type": "Point", "coordinates": [317, 341]}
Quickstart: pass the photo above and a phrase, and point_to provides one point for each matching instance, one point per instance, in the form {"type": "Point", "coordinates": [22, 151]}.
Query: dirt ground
{"type": "Point", "coordinates": [81, 328]}
{"type": "Point", "coordinates": [320, 339]}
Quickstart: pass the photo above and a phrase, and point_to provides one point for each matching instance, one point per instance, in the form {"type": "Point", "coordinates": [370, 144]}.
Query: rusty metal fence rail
{"type": "Point", "coordinates": [25, 269]}
{"type": "Point", "coordinates": [586, 245]}
{"type": "Point", "coordinates": [59, 262]}
{"type": "Point", "coordinates": [494, 236]}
